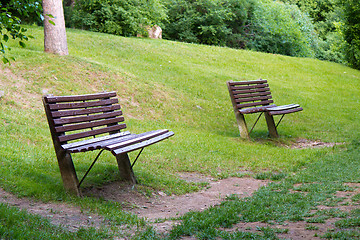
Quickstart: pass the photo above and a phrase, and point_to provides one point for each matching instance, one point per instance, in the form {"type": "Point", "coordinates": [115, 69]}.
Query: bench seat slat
{"type": "Point", "coordinates": [283, 107]}
{"type": "Point", "coordinates": [68, 113]}
{"type": "Point", "coordinates": [142, 144]}
{"type": "Point", "coordinates": [255, 109]}
{"type": "Point", "coordinates": [298, 109]}
{"type": "Point", "coordinates": [70, 137]}
{"type": "Point", "coordinates": [69, 120]}
{"type": "Point", "coordinates": [101, 144]}
{"type": "Point", "coordinates": [80, 126]}
{"type": "Point", "coordinates": [74, 105]}
{"type": "Point", "coordinates": [143, 137]}
{"type": "Point", "coordinates": [129, 139]}
{"type": "Point", "coordinates": [94, 140]}
{"type": "Point", "coordinates": [73, 98]}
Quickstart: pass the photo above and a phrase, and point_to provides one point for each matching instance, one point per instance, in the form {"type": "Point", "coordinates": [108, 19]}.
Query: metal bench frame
{"type": "Point", "coordinates": [249, 97]}
{"type": "Point", "coordinates": [81, 123]}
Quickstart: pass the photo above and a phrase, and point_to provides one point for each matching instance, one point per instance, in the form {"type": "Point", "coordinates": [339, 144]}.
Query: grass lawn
{"type": "Point", "coordinates": [164, 84]}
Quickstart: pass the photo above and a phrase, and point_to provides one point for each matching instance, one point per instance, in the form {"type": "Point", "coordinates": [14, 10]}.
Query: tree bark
{"type": "Point", "coordinates": [54, 35]}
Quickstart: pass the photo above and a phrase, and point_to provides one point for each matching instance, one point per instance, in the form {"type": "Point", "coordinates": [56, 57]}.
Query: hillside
{"type": "Point", "coordinates": [164, 84]}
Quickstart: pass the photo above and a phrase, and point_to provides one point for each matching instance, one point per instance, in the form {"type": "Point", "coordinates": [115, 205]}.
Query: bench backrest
{"type": "Point", "coordinates": [248, 94]}
{"type": "Point", "coordinates": [82, 116]}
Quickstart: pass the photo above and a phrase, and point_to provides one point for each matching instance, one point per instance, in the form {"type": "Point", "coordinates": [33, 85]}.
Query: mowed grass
{"type": "Point", "coordinates": [164, 84]}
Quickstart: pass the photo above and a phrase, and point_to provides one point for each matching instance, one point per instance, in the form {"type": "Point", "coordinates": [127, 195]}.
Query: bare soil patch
{"type": "Point", "coordinates": [166, 208]}
{"type": "Point", "coordinates": [306, 143]}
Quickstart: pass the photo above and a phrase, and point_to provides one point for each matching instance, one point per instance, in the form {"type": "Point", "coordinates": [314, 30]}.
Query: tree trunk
{"type": "Point", "coordinates": [54, 35]}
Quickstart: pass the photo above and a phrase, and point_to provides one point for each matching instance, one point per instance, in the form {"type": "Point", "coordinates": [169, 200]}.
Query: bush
{"type": "Point", "coordinates": [283, 29]}
{"type": "Point", "coordinates": [126, 18]}
{"type": "Point", "coordinates": [213, 22]}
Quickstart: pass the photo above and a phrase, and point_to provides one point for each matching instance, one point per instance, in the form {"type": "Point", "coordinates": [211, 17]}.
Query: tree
{"type": "Point", "coordinates": [54, 27]}
{"type": "Point", "coordinates": [352, 32]}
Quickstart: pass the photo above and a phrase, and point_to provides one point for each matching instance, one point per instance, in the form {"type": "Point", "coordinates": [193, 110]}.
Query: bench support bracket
{"type": "Point", "coordinates": [97, 157]}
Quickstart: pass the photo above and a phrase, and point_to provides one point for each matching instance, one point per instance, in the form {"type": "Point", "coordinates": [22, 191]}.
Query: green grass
{"type": "Point", "coordinates": [16, 224]}
{"type": "Point", "coordinates": [164, 84]}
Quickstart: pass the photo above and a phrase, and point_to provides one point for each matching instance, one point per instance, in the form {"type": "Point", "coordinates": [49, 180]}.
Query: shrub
{"type": "Point", "coordinates": [283, 29]}
{"type": "Point", "coordinates": [214, 22]}
{"type": "Point", "coordinates": [126, 18]}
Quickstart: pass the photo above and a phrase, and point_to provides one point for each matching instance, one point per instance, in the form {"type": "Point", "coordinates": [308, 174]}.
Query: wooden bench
{"type": "Point", "coordinates": [82, 123]}
{"type": "Point", "coordinates": [254, 96]}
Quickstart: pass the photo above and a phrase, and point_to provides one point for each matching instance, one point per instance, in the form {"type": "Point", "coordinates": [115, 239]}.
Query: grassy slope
{"type": "Point", "coordinates": [165, 84]}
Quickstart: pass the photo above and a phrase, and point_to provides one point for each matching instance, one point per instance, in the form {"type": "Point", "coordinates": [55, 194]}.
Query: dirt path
{"type": "Point", "coordinates": [166, 207]}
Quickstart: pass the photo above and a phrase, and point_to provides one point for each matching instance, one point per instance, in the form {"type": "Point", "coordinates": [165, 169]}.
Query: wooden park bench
{"type": "Point", "coordinates": [82, 123]}
{"type": "Point", "coordinates": [254, 96]}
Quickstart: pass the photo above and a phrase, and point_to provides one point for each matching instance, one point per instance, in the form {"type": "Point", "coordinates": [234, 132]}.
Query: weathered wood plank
{"type": "Point", "coordinates": [241, 100]}
{"type": "Point", "coordinates": [260, 103]}
{"type": "Point", "coordinates": [233, 83]}
{"type": "Point", "coordinates": [93, 117]}
{"type": "Point", "coordinates": [285, 111]}
{"type": "Point", "coordinates": [144, 136]}
{"type": "Point", "coordinates": [70, 137]}
{"type": "Point", "coordinates": [75, 105]}
{"type": "Point", "coordinates": [80, 126]}
{"type": "Point", "coordinates": [67, 113]}
{"type": "Point", "coordinates": [85, 97]}
{"type": "Point", "coordinates": [94, 140]}
{"type": "Point", "coordinates": [258, 86]}
{"type": "Point", "coordinates": [142, 144]}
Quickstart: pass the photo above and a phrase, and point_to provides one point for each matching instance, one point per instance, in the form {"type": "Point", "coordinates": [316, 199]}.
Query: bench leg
{"type": "Point", "coordinates": [244, 132]}
{"type": "Point", "coordinates": [271, 125]}
{"type": "Point", "coordinates": [125, 169]}
{"type": "Point", "coordinates": [68, 173]}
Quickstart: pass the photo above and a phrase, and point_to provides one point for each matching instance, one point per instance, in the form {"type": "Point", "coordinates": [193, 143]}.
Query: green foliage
{"type": "Point", "coordinates": [10, 28]}
{"type": "Point", "coordinates": [283, 29]}
{"type": "Point", "coordinates": [29, 11]}
{"type": "Point", "coordinates": [265, 26]}
{"type": "Point", "coordinates": [352, 32]}
{"type": "Point", "coordinates": [210, 22]}
{"type": "Point", "coordinates": [126, 18]}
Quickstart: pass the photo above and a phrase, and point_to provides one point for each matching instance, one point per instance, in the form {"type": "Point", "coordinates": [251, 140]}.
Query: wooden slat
{"type": "Point", "coordinates": [232, 83]}
{"type": "Point", "coordinates": [80, 126]}
{"type": "Point", "coordinates": [254, 104]}
{"type": "Point", "coordinates": [101, 144]}
{"type": "Point", "coordinates": [75, 105]}
{"type": "Point", "coordinates": [241, 100]}
{"type": "Point", "coordinates": [285, 111]}
{"type": "Point", "coordinates": [249, 87]}
{"type": "Point", "coordinates": [145, 136]}
{"type": "Point", "coordinates": [70, 137]}
{"type": "Point", "coordinates": [283, 107]}
{"type": "Point", "coordinates": [255, 91]}
{"type": "Point", "coordinates": [255, 109]}
{"type": "Point", "coordinates": [67, 113]}
{"type": "Point", "coordinates": [73, 98]}
{"type": "Point", "coordinates": [142, 144]}
{"type": "Point", "coordinates": [94, 117]}
{"type": "Point", "coordinates": [94, 140]}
